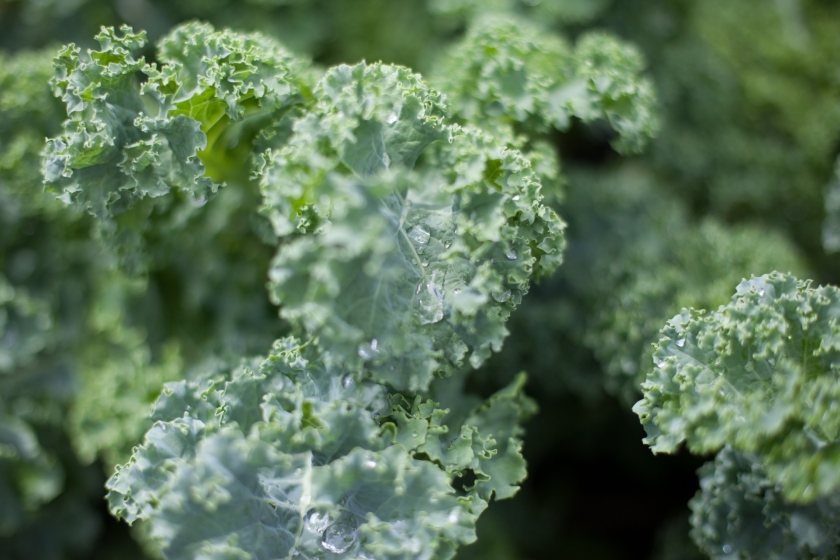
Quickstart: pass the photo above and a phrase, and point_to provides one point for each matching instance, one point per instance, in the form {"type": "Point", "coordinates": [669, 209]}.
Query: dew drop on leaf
{"type": "Point", "coordinates": [392, 118]}
{"type": "Point", "coordinates": [419, 235]}
{"type": "Point", "coordinates": [368, 351]}
{"type": "Point", "coordinates": [500, 296]}
{"type": "Point", "coordinates": [339, 537]}
{"type": "Point", "coordinates": [431, 306]}
{"type": "Point", "coordinates": [317, 521]}
{"type": "Point", "coordinates": [681, 342]}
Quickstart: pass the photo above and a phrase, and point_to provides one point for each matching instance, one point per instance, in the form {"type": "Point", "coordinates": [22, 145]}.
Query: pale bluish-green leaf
{"type": "Point", "coordinates": [740, 513]}
{"type": "Point", "coordinates": [409, 271]}
{"type": "Point", "coordinates": [759, 374]}
{"type": "Point", "coordinates": [145, 143]}
{"type": "Point", "coordinates": [309, 474]}
{"type": "Point", "coordinates": [507, 70]}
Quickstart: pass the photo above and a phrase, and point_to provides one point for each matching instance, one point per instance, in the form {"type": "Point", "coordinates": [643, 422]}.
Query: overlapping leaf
{"type": "Point", "coordinates": [410, 271]}
{"type": "Point", "coordinates": [137, 132]}
{"type": "Point", "coordinates": [507, 70]}
{"type": "Point", "coordinates": [287, 458]}
{"type": "Point", "coordinates": [760, 374]}
{"type": "Point", "coordinates": [739, 513]}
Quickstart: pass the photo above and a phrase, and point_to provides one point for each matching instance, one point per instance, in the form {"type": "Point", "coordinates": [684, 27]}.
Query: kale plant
{"type": "Point", "coordinates": [273, 300]}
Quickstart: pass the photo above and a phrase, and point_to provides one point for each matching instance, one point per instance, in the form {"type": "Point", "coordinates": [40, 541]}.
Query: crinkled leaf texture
{"type": "Point", "coordinates": [761, 375]}
{"type": "Point", "coordinates": [138, 132]}
{"type": "Point", "coordinates": [506, 70]}
{"type": "Point", "coordinates": [298, 457]}
{"type": "Point", "coordinates": [739, 513]}
{"type": "Point", "coordinates": [408, 269]}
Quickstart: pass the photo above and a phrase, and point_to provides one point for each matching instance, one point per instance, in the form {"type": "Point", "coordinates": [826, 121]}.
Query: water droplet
{"type": "Point", "coordinates": [447, 245]}
{"type": "Point", "coordinates": [425, 263]}
{"type": "Point", "coordinates": [414, 434]}
{"type": "Point", "coordinates": [368, 351]}
{"type": "Point", "coordinates": [681, 342]}
{"type": "Point", "coordinates": [456, 291]}
{"type": "Point", "coordinates": [419, 235]}
{"type": "Point", "coordinates": [348, 379]}
{"type": "Point", "coordinates": [392, 118]}
{"type": "Point", "coordinates": [761, 293]}
{"type": "Point", "coordinates": [317, 521]}
{"type": "Point", "coordinates": [660, 363]}
{"type": "Point", "coordinates": [370, 463]}
{"type": "Point", "coordinates": [295, 552]}
{"type": "Point", "coordinates": [339, 537]}
{"type": "Point", "coordinates": [431, 306]}
{"type": "Point", "coordinates": [501, 297]}
{"type": "Point", "coordinates": [511, 254]}
{"type": "Point", "coordinates": [453, 516]}
{"type": "Point", "coordinates": [727, 549]}
{"type": "Point", "coordinates": [419, 287]}
{"type": "Point", "coordinates": [516, 197]}
{"type": "Point", "coordinates": [298, 471]}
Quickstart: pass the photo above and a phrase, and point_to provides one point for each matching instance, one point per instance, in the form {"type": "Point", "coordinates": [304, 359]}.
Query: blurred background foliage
{"type": "Point", "coordinates": [738, 181]}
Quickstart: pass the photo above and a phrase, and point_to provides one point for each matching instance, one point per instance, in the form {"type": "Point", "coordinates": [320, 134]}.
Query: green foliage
{"type": "Point", "coordinates": [411, 271]}
{"type": "Point", "coordinates": [642, 277]}
{"type": "Point", "coordinates": [505, 71]}
{"type": "Point", "coordinates": [315, 461]}
{"type": "Point", "coordinates": [398, 227]}
{"type": "Point", "coordinates": [758, 375]}
{"type": "Point", "coordinates": [739, 513]}
{"type": "Point", "coordinates": [127, 143]}
{"type": "Point", "coordinates": [430, 256]}
{"type": "Point", "coordinates": [562, 11]}
{"type": "Point", "coordinates": [634, 260]}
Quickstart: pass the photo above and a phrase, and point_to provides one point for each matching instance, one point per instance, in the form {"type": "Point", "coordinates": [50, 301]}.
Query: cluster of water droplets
{"type": "Point", "coordinates": [501, 296]}
{"type": "Point", "coordinates": [337, 535]}
{"type": "Point", "coordinates": [368, 350]}
{"type": "Point", "coordinates": [430, 298]}
{"type": "Point", "coordinates": [420, 235]}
